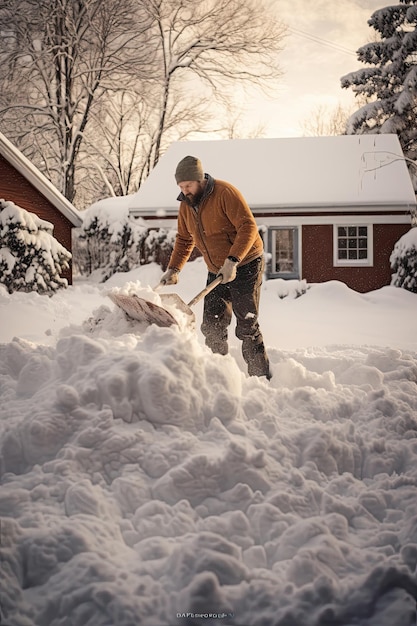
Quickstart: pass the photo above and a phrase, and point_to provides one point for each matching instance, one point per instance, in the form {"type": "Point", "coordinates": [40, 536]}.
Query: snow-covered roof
{"type": "Point", "coordinates": [38, 180]}
{"type": "Point", "coordinates": [294, 173]}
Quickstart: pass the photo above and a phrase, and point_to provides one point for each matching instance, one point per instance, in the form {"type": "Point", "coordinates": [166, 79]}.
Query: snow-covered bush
{"type": "Point", "coordinates": [404, 262]}
{"type": "Point", "coordinates": [109, 241]}
{"type": "Point", "coordinates": [31, 259]}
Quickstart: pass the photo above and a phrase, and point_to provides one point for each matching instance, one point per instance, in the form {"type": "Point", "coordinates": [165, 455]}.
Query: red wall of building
{"type": "Point", "coordinates": [15, 188]}
{"type": "Point", "coordinates": [317, 257]}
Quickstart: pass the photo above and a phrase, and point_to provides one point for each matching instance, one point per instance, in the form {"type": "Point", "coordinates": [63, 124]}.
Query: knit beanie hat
{"type": "Point", "coordinates": [189, 168]}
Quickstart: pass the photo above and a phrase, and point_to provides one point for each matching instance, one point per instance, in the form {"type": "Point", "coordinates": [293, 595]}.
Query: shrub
{"type": "Point", "coordinates": [404, 262]}
{"type": "Point", "coordinates": [109, 241]}
{"type": "Point", "coordinates": [31, 259]}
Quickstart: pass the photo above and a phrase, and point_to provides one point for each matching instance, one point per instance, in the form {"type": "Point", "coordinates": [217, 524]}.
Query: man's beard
{"type": "Point", "coordinates": [194, 199]}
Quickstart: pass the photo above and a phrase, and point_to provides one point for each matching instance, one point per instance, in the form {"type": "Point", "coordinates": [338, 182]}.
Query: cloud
{"type": "Point", "coordinates": [320, 47]}
{"type": "Point", "coordinates": [343, 22]}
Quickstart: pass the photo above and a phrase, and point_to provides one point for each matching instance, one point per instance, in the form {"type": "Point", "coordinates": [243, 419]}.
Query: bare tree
{"type": "Point", "coordinates": [118, 132]}
{"type": "Point", "coordinates": [122, 135]}
{"type": "Point", "coordinates": [197, 62]}
{"type": "Point", "coordinates": [326, 121]}
{"type": "Point", "coordinates": [57, 58]}
{"type": "Point", "coordinates": [218, 42]}
{"type": "Point", "coordinates": [93, 91]}
{"type": "Point", "coordinates": [237, 128]}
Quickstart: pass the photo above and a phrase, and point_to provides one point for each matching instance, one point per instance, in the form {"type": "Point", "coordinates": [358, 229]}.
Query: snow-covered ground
{"type": "Point", "coordinates": [146, 481]}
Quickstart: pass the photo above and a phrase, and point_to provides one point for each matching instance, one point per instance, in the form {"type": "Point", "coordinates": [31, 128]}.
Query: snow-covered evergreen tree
{"type": "Point", "coordinates": [404, 262]}
{"type": "Point", "coordinates": [31, 259]}
{"type": "Point", "coordinates": [389, 80]}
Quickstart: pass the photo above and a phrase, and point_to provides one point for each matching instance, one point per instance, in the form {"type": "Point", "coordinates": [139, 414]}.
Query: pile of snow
{"type": "Point", "coordinates": [145, 480]}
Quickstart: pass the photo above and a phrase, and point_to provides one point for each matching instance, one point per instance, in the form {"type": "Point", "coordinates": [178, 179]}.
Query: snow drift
{"type": "Point", "coordinates": [146, 481]}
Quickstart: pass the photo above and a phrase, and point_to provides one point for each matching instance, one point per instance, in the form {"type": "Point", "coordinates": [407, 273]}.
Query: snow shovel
{"type": "Point", "coordinates": [145, 311]}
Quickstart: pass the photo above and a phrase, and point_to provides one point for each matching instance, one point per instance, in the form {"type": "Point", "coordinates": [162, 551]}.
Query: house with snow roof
{"type": "Point", "coordinates": [328, 208]}
{"type": "Point", "coordinates": [24, 185]}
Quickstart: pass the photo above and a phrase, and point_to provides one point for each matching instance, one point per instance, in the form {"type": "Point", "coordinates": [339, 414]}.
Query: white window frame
{"type": "Point", "coordinates": [368, 262]}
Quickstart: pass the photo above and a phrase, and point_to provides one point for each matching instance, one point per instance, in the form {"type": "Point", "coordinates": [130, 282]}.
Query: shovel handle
{"type": "Point", "coordinates": [206, 290]}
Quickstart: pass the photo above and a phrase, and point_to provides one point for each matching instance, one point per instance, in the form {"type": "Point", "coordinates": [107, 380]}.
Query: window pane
{"type": "Point", "coordinates": [352, 243]}
{"type": "Point", "coordinates": [284, 250]}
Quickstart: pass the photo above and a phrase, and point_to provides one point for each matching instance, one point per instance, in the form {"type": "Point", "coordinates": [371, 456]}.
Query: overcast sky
{"type": "Point", "coordinates": [320, 48]}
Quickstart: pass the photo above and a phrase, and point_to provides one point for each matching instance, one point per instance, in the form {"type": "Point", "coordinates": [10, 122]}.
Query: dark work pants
{"type": "Point", "coordinates": [241, 296]}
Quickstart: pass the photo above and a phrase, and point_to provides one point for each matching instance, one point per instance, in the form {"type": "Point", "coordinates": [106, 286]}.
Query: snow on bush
{"type": "Point", "coordinates": [109, 241]}
{"type": "Point", "coordinates": [31, 259]}
{"type": "Point", "coordinates": [404, 262]}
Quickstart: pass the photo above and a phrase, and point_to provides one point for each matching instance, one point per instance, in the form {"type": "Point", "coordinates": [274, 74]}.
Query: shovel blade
{"type": "Point", "coordinates": [143, 310]}
{"type": "Point", "coordinates": [173, 299]}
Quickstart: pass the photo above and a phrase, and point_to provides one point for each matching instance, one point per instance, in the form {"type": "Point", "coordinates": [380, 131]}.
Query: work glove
{"type": "Point", "coordinates": [228, 270]}
{"type": "Point", "coordinates": [170, 277]}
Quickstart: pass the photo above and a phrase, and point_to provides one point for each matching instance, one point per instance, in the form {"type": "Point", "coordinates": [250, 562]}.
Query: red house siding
{"type": "Point", "coordinates": [15, 188]}
{"type": "Point", "coordinates": [317, 257]}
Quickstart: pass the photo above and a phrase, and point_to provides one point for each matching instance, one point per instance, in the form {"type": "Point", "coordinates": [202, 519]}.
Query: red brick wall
{"type": "Point", "coordinates": [15, 188]}
{"type": "Point", "coordinates": [317, 257]}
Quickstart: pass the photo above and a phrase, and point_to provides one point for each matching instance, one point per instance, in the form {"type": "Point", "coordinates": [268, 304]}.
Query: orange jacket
{"type": "Point", "coordinates": [223, 226]}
